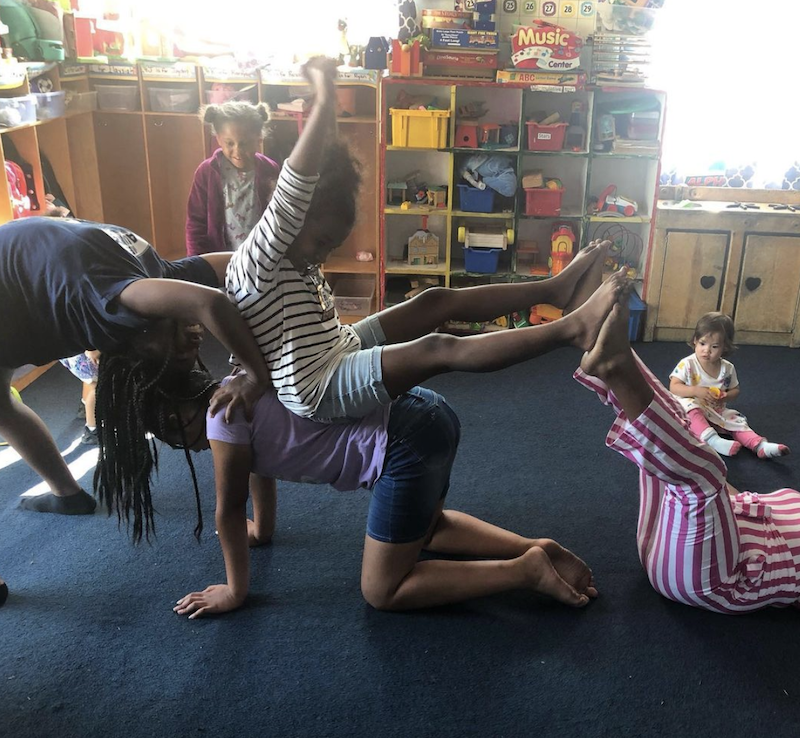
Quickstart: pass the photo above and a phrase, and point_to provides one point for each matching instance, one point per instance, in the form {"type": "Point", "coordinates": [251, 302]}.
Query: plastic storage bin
{"type": "Point", "coordinates": [117, 97]}
{"type": "Point", "coordinates": [474, 200]}
{"type": "Point", "coordinates": [50, 104]}
{"type": "Point", "coordinates": [481, 261]}
{"type": "Point", "coordinates": [546, 138]}
{"type": "Point", "coordinates": [173, 100]}
{"type": "Point", "coordinates": [543, 201]}
{"type": "Point", "coordinates": [422, 129]}
{"type": "Point", "coordinates": [353, 296]}
{"type": "Point", "coordinates": [81, 102]}
{"type": "Point", "coordinates": [16, 111]}
{"type": "Point", "coordinates": [636, 321]}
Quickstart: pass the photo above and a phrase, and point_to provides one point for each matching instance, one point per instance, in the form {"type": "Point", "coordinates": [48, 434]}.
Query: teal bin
{"type": "Point", "coordinates": [636, 321]}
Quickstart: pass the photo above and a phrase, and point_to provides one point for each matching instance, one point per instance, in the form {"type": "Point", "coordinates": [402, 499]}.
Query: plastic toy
{"type": "Point", "coordinates": [485, 237]}
{"type": "Point", "coordinates": [610, 203]}
{"type": "Point", "coordinates": [562, 243]}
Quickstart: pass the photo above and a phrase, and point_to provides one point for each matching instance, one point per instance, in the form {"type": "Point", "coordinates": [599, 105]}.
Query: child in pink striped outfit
{"type": "Point", "coordinates": [701, 542]}
{"type": "Point", "coordinates": [705, 380]}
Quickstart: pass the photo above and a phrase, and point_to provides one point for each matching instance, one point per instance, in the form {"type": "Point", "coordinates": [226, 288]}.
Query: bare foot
{"type": "Point", "coordinates": [544, 579]}
{"type": "Point", "coordinates": [590, 280]}
{"type": "Point", "coordinates": [570, 568]}
{"type": "Point", "coordinates": [585, 323]}
{"type": "Point", "coordinates": [565, 283]}
{"type": "Point", "coordinates": [612, 350]}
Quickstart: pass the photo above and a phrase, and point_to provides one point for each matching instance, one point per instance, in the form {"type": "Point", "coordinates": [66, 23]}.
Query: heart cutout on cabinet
{"type": "Point", "coordinates": [752, 283]}
{"type": "Point", "coordinates": [707, 282]}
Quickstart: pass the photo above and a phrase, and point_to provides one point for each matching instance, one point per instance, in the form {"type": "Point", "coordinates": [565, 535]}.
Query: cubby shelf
{"type": "Point", "coordinates": [586, 173]}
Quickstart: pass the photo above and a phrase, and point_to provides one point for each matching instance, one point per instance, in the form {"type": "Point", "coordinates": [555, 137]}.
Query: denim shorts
{"type": "Point", "coordinates": [424, 432]}
{"type": "Point", "coordinates": [356, 387]}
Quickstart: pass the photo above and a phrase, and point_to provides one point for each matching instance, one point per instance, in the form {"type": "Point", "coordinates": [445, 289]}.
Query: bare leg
{"type": "Point", "coordinates": [89, 401]}
{"type": "Point", "coordinates": [611, 360]}
{"type": "Point", "coordinates": [459, 534]}
{"type": "Point", "coordinates": [393, 579]}
{"type": "Point", "coordinates": [29, 437]}
{"type": "Point", "coordinates": [592, 278]}
{"type": "Point", "coordinates": [430, 309]}
{"type": "Point", "coordinates": [409, 364]}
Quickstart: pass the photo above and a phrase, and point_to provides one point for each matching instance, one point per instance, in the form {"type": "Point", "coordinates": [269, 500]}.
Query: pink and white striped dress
{"type": "Point", "coordinates": [698, 543]}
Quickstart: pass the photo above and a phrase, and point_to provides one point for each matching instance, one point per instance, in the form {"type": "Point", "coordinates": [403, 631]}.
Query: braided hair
{"type": "Point", "coordinates": [137, 397]}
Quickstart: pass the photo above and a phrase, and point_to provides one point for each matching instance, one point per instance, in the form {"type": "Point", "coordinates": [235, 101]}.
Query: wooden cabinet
{"type": "Point", "coordinates": [767, 298]}
{"type": "Point", "coordinates": [745, 263]}
{"type": "Point", "coordinates": [693, 269]}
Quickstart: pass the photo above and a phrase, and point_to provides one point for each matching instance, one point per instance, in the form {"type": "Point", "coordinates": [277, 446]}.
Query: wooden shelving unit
{"type": "Point", "coordinates": [585, 174]}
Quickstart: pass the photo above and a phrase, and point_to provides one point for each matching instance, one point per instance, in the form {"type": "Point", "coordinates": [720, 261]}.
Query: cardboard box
{"type": "Point", "coordinates": [445, 38]}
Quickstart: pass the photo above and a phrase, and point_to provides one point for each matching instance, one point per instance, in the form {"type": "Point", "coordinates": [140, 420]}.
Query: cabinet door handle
{"type": "Point", "coordinates": [708, 281]}
{"type": "Point", "coordinates": [752, 283]}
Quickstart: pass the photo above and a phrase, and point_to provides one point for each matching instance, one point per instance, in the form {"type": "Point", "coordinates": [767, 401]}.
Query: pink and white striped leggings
{"type": "Point", "coordinates": [699, 544]}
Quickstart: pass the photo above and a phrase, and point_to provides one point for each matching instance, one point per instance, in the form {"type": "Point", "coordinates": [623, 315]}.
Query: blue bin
{"type": "Point", "coordinates": [636, 321]}
{"type": "Point", "coordinates": [481, 261]}
{"type": "Point", "coordinates": [474, 200]}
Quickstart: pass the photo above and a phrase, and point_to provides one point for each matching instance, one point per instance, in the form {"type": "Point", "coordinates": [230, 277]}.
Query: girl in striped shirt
{"type": "Point", "coordinates": [324, 370]}
{"type": "Point", "coordinates": [701, 541]}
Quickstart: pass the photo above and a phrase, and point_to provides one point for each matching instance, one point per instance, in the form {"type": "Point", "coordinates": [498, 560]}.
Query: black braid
{"type": "Point", "coordinates": [135, 396]}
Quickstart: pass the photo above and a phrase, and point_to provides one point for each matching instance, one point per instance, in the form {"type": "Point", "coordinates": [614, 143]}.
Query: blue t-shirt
{"type": "Point", "coordinates": [59, 280]}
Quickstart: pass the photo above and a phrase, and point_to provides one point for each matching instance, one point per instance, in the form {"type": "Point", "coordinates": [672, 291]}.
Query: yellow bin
{"type": "Point", "coordinates": [419, 129]}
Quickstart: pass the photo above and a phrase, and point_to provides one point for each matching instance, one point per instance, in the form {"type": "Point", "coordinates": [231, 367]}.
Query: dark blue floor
{"type": "Point", "coordinates": [89, 645]}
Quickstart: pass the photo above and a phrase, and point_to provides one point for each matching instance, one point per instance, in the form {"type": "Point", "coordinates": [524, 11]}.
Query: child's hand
{"type": "Point", "coordinates": [241, 390]}
{"type": "Point", "coordinates": [705, 394]}
{"type": "Point", "coordinates": [320, 71]}
{"type": "Point", "coordinates": [213, 600]}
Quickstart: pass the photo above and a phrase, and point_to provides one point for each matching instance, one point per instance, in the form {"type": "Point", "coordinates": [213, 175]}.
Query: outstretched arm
{"type": "Point", "coordinates": [231, 472]}
{"type": "Point", "coordinates": [185, 301]}
{"type": "Point", "coordinates": [264, 494]}
{"type": "Point", "coordinates": [254, 263]}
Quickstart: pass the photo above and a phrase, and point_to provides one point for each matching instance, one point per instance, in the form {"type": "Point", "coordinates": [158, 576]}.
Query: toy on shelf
{"type": "Point", "coordinates": [437, 196]}
{"type": "Point", "coordinates": [482, 246]}
{"type": "Point", "coordinates": [575, 138]}
{"type": "Point", "coordinates": [396, 192]}
{"type": "Point", "coordinates": [609, 203]}
{"type": "Point", "coordinates": [544, 199]}
{"type": "Point", "coordinates": [544, 313]}
{"type": "Point", "coordinates": [625, 250]}
{"type": "Point", "coordinates": [562, 244]}
{"type": "Point", "coordinates": [527, 259]}
{"type": "Point", "coordinates": [485, 237]}
{"type": "Point", "coordinates": [423, 247]}
{"type": "Point", "coordinates": [420, 284]}
{"type": "Point", "coordinates": [406, 57]}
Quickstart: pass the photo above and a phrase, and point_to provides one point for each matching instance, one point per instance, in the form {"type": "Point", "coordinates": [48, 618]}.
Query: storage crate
{"type": "Point", "coordinates": [474, 200]}
{"type": "Point", "coordinates": [481, 261]}
{"type": "Point", "coordinates": [81, 102]}
{"type": "Point", "coordinates": [636, 322]}
{"type": "Point", "coordinates": [545, 138]}
{"type": "Point", "coordinates": [543, 201]}
{"type": "Point", "coordinates": [173, 99]}
{"type": "Point", "coordinates": [50, 104]}
{"type": "Point", "coordinates": [117, 97]}
{"type": "Point", "coordinates": [16, 111]}
{"type": "Point", "coordinates": [421, 129]}
{"type": "Point", "coordinates": [353, 296]}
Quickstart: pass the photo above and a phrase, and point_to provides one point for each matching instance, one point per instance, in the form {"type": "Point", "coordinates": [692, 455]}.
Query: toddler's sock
{"type": "Point", "coordinates": [81, 504]}
{"type": "Point", "coordinates": [721, 445]}
{"type": "Point", "coordinates": [767, 450]}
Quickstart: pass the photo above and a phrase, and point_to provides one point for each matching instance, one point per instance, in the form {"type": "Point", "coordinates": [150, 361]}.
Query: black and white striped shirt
{"type": "Point", "coordinates": [301, 345]}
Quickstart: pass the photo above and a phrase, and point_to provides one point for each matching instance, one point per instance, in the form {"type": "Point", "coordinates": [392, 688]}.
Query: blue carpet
{"type": "Point", "coordinates": [89, 646]}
